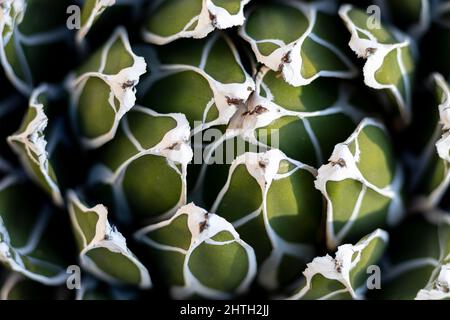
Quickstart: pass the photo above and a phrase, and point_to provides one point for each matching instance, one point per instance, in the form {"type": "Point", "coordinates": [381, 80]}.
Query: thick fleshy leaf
{"type": "Point", "coordinates": [146, 165]}
{"type": "Point", "coordinates": [173, 19]}
{"type": "Point", "coordinates": [271, 201]}
{"type": "Point", "coordinates": [196, 253]}
{"type": "Point", "coordinates": [361, 184]}
{"type": "Point", "coordinates": [297, 119]}
{"type": "Point", "coordinates": [103, 90]}
{"type": "Point", "coordinates": [30, 143]}
{"type": "Point", "coordinates": [420, 265]}
{"type": "Point", "coordinates": [291, 37]}
{"type": "Point", "coordinates": [31, 39]}
{"type": "Point", "coordinates": [389, 65]}
{"type": "Point", "coordinates": [212, 69]}
{"type": "Point", "coordinates": [103, 249]}
{"type": "Point", "coordinates": [31, 233]}
{"type": "Point", "coordinates": [344, 276]}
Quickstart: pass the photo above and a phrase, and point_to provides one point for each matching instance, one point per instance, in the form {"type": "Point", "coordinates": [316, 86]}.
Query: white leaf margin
{"type": "Point", "coordinates": [291, 69]}
{"type": "Point", "coordinates": [126, 95]}
{"type": "Point", "coordinates": [99, 7]}
{"type": "Point", "coordinates": [326, 266]}
{"type": "Point", "coordinates": [332, 172]}
{"type": "Point", "coordinates": [441, 145]}
{"type": "Point", "coordinates": [222, 92]}
{"type": "Point", "coordinates": [439, 280]}
{"type": "Point", "coordinates": [216, 224]}
{"type": "Point", "coordinates": [205, 24]}
{"type": "Point", "coordinates": [180, 136]}
{"type": "Point", "coordinates": [34, 140]}
{"type": "Point", "coordinates": [264, 176]}
{"type": "Point", "coordinates": [16, 263]}
{"type": "Point", "coordinates": [107, 237]}
{"type": "Point", "coordinates": [375, 54]}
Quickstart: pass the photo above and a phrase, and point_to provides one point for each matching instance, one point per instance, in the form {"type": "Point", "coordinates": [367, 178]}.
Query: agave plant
{"type": "Point", "coordinates": [216, 149]}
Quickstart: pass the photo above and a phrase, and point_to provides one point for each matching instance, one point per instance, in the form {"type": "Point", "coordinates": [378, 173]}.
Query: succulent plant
{"type": "Point", "coordinates": [211, 149]}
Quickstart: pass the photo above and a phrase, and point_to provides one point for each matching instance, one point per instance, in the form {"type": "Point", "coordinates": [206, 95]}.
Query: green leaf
{"type": "Point", "coordinates": [271, 201]}
{"type": "Point", "coordinates": [361, 184]}
{"type": "Point", "coordinates": [288, 37]}
{"type": "Point", "coordinates": [433, 173]}
{"type": "Point", "coordinates": [390, 65]}
{"type": "Point", "coordinates": [344, 276]}
{"type": "Point", "coordinates": [104, 90]}
{"type": "Point", "coordinates": [296, 120]}
{"type": "Point", "coordinates": [146, 164]}
{"type": "Point", "coordinates": [199, 254]}
{"type": "Point", "coordinates": [30, 232]}
{"type": "Point", "coordinates": [211, 68]}
{"type": "Point", "coordinates": [173, 19]}
{"type": "Point", "coordinates": [31, 39]}
{"type": "Point", "coordinates": [103, 249]}
{"type": "Point", "coordinates": [30, 144]}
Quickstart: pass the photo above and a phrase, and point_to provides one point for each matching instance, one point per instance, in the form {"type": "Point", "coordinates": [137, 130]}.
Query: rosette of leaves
{"type": "Point", "coordinates": [199, 254]}
{"type": "Point", "coordinates": [145, 165]}
{"type": "Point", "coordinates": [264, 92]}
{"type": "Point", "coordinates": [362, 184]}
{"type": "Point", "coordinates": [389, 63]}
{"type": "Point", "coordinates": [419, 259]}
{"type": "Point", "coordinates": [103, 249]}
{"type": "Point", "coordinates": [103, 90]}
{"type": "Point", "coordinates": [343, 276]}
{"type": "Point", "coordinates": [169, 20]}
{"type": "Point", "coordinates": [32, 233]}
{"type": "Point", "coordinates": [29, 36]}
{"type": "Point", "coordinates": [271, 201]}
{"type": "Point", "coordinates": [292, 37]}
